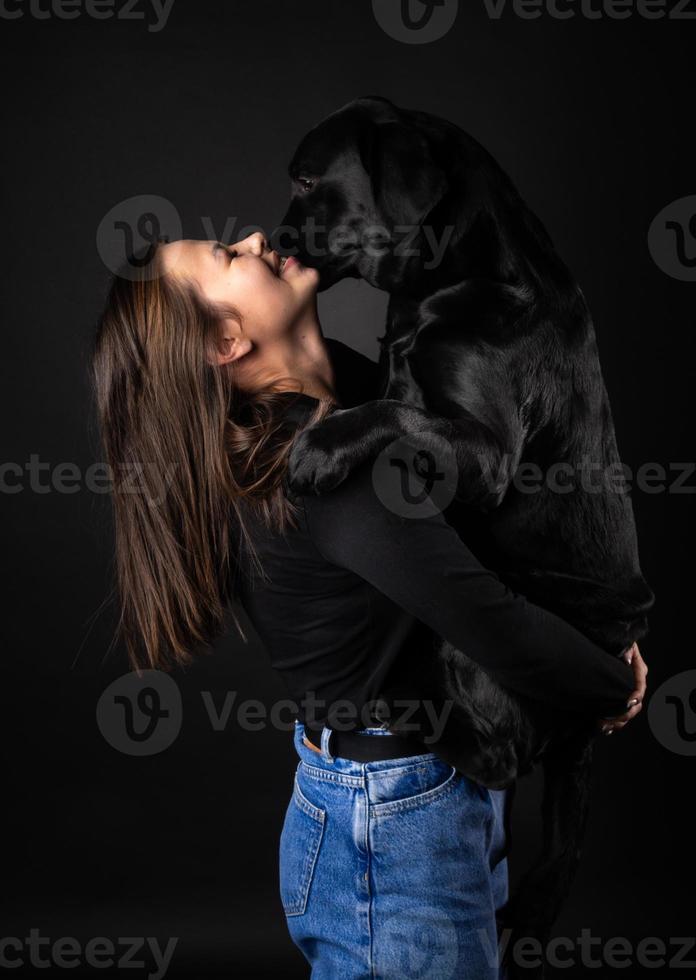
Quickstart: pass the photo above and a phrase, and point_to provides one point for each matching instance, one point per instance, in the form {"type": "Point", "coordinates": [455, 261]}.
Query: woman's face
{"type": "Point", "coordinates": [270, 294]}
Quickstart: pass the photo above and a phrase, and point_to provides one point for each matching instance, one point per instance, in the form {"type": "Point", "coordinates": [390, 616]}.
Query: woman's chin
{"type": "Point", "coordinates": [302, 278]}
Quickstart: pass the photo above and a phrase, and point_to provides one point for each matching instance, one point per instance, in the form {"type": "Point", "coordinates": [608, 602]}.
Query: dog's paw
{"type": "Point", "coordinates": [312, 467]}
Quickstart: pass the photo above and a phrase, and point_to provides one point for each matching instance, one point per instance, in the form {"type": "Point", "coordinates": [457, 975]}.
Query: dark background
{"type": "Point", "coordinates": [593, 120]}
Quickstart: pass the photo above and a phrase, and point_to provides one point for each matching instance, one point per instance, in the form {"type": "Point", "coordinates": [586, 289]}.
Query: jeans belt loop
{"type": "Point", "coordinates": [325, 751]}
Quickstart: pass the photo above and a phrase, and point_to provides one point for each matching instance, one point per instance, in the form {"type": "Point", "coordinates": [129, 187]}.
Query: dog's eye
{"type": "Point", "coordinates": [306, 183]}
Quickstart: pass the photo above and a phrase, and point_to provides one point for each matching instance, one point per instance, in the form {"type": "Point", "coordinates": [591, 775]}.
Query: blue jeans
{"type": "Point", "coordinates": [392, 870]}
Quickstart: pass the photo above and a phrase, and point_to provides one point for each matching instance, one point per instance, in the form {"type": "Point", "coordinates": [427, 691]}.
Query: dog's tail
{"type": "Point", "coordinates": [532, 910]}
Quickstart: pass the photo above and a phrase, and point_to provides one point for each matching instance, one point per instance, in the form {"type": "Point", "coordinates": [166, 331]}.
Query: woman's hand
{"type": "Point", "coordinates": [635, 702]}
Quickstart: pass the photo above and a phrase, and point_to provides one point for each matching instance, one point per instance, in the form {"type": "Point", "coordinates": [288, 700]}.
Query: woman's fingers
{"type": "Point", "coordinates": [607, 725]}
{"type": "Point", "coordinates": [632, 657]}
{"type": "Point", "coordinates": [624, 719]}
{"type": "Point", "coordinates": [640, 672]}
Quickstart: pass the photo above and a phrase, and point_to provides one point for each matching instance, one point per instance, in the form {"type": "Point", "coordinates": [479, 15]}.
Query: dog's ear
{"type": "Point", "coordinates": [407, 182]}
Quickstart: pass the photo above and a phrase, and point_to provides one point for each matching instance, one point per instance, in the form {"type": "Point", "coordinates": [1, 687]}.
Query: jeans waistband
{"type": "Point", "coordinates": [349, 766]}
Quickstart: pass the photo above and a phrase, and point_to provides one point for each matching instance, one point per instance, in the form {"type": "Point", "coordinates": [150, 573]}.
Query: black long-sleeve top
{"type": "Point", "coordinates": [355, 588]}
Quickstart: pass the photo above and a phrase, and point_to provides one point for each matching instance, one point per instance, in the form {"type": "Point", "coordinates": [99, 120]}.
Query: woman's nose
{"type": "Point", "coordinates": [257, 243]}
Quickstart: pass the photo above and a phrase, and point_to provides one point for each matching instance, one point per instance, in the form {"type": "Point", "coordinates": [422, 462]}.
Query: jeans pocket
{"type": "Point", "coordinates": [415, 787]}
{"type": "Point", "coordinates": [300, 840]}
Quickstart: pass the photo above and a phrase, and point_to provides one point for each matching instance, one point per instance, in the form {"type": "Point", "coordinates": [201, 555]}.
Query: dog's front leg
{"type": "Point", "coordinates": [324, 455]}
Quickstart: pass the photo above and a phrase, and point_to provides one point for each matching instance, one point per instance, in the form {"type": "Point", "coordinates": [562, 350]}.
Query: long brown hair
{"type": "Point", "coordinates": [189, 453]}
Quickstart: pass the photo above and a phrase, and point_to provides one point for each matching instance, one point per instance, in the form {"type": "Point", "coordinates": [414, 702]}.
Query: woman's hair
{"type": "Point", "coordinates": [189, 453]}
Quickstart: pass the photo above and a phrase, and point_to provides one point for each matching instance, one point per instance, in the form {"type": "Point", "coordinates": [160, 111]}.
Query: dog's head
{"type": "Point", "coordinates": [363, 183]}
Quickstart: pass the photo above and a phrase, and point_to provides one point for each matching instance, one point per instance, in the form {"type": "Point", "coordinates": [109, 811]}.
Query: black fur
{"type": "Point", "coordinates": [493, 348]}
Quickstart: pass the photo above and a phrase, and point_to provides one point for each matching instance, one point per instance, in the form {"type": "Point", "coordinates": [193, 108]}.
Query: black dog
{"type": "Point", "coordinates": [491, 346]}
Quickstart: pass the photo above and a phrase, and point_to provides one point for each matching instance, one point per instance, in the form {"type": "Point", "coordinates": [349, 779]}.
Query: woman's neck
{"type": "Point", "coordinates": [300, 356]}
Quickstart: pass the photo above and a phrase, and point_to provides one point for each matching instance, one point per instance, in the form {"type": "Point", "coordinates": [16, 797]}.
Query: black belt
{"type": "Point", "coordinates": [368, 748]}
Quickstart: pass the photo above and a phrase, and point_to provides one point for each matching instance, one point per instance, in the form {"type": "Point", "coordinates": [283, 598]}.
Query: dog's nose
{"type": "Point", "coordinates": [285, 236]}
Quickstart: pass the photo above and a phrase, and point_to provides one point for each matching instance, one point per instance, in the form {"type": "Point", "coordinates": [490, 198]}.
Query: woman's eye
{"type": "Point", "coordinates": [306, 183]}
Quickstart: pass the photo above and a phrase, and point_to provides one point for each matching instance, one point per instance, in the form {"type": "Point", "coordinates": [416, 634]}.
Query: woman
{"type": "Point", "coordinates": [206, 367]}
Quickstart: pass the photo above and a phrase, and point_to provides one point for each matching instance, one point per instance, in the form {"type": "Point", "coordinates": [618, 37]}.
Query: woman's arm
{"type": "Point", "coordinates": [423, 566]}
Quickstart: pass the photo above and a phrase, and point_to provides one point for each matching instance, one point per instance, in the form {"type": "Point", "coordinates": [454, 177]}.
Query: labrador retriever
{"type": "Point", "coordinates": [490, 345]}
